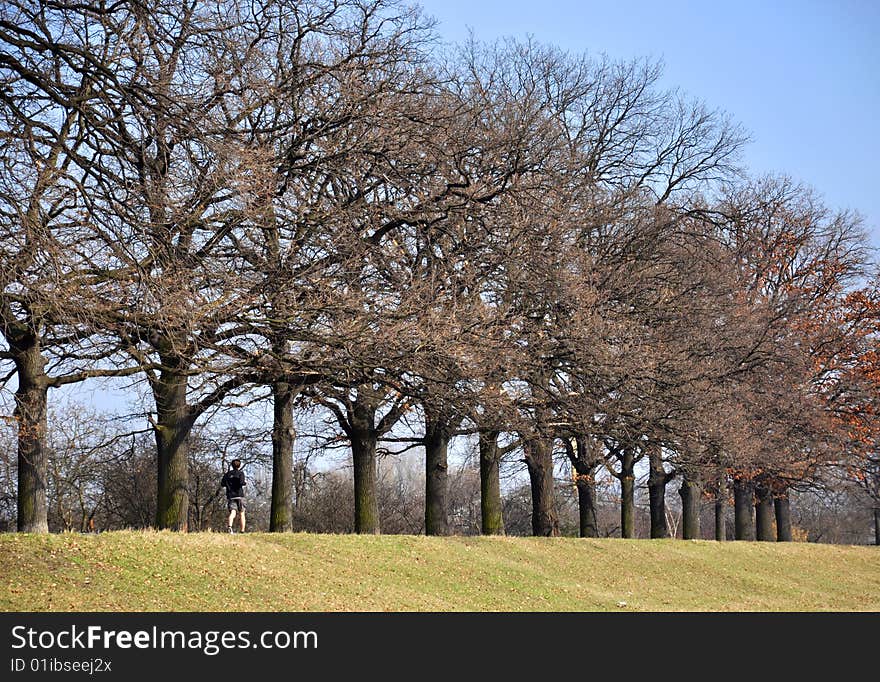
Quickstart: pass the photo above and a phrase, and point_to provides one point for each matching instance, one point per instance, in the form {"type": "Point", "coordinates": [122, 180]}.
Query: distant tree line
{"type": "Point", "coordinates": [318, 205]}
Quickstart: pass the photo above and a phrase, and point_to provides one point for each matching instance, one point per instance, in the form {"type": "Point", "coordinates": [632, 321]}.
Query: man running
{"type": "Point", "coordinates": [233, 481]}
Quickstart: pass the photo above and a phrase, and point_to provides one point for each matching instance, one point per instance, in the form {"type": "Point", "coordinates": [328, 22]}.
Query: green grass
{"type": "Point", "coordinates": [150, 571]}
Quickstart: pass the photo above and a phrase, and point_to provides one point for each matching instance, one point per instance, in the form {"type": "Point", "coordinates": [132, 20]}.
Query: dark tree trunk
{"type": "Point", "coordinates": [589, 524]}
{"type": "Point", "coordinates": [764, 513]}
{"type": "Point", "coordinates": [436, 478]}
{"type": "Point", "coordinates": [690, 509]}
{"type": "Point", "coordinates": [283, 434]}
{"type": "Point", "coordinates": [491, 519]}
{"type": "Point", "coordinates": [366, 501]}
{"type": "Point", "coordinates": [743, 510]}
{"type": "Point", "coordinates": [627, 494]}
{"type": "Point", "coordinates": [657, 480]}
{"type": "Point", "coordinates": [877, 526]}
{"type": "Point", "coordinates": [585, 464]}
{"type": "Point", "coordinates": [539, 459]}
{"type": "Point", "coordinates": [721, 513]}
{"type": "Point", "coordinates": [173, 425]}
{"type": "Point", "coordinates": [31, 400]}
{"type": "Point", "coordinates": [783, 517]}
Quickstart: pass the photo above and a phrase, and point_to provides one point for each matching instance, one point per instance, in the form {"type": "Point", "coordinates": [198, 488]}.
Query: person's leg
{"type": "Point", "coordinates": [231, 518]}
{"type": "Point", "coordinates": [241, 517]}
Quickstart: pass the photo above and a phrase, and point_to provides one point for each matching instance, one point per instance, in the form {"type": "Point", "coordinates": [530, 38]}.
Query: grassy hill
{"type": "Point", "coordinates": [150, 571]}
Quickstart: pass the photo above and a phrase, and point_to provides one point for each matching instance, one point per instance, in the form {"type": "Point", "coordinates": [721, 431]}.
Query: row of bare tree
{"type": "Point", "coordinates": [103, 477]}
{"type": "Point", "coordinates": [316, 203]}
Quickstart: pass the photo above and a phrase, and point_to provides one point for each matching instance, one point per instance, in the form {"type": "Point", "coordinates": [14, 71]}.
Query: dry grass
{"type": "Point", "coordinates": [150, 571]}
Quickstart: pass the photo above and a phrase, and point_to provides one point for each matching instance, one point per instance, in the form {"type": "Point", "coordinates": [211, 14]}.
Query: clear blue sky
{"type": "Point", "coordinates": [802, 77]}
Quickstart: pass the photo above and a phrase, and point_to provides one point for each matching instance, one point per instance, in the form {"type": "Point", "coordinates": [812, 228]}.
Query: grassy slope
{"type": "Point", "coordinates": [148, 571]}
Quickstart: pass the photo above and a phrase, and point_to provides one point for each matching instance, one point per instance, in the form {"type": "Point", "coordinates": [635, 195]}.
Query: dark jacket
{"type": "Point", "coordinates": [233, 481]}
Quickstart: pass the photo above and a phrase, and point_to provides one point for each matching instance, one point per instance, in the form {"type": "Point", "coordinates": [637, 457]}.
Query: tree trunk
{"type": "Point", "coordinates": [743, 510]}
{"type": "Point", "coordinates": [783, 517]}
{"type": "Point", "coordinates": [627, 494]}
{"type": "Point", "coordinates": [589, 524]}
{"type": "Point", "coordinates": [31, 401]}
{"type": "Point", "coordinates": [491, 519]}
{"type": "Point", "coordinates": [585, 463]}
{"type": "Point", "coordinates": [877, 526]}
{"type": "Point", "coordinates": [173, 426]}
{"type": "Point", "coordinates": [436, 479]}
{"type": "Point", "coordinates": [690, 509]}
{"type": "Point", "coordinates": [366, 501]}
{"type": "Point", "coordinates": [539, 459]}
{"type": "Point", "coordinates": [721, 513]}
{"type": "Point", "coordinates": [764, 513]}
{"type": "Point", "coordinates": [283, 434]}
{"type": "Point", "coordinates": [657, 480]}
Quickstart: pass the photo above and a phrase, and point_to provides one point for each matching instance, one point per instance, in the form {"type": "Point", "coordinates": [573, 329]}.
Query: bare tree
{"type": "Point", "coordinates": [50, 69]}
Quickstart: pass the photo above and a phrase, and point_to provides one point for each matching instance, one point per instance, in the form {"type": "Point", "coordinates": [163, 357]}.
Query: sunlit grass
{"type": "Point", "coordinates": [150, 571]}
